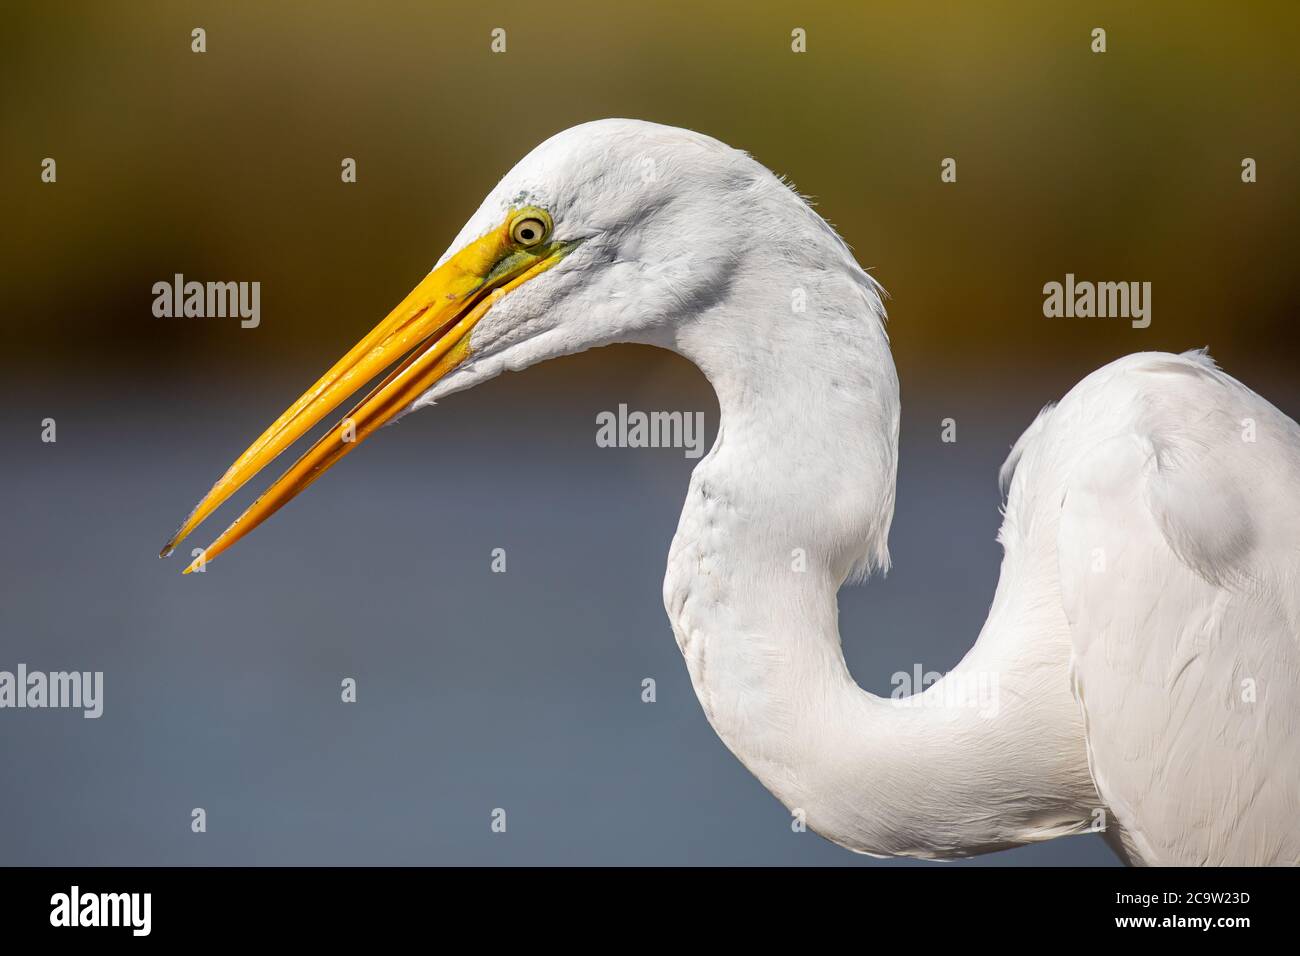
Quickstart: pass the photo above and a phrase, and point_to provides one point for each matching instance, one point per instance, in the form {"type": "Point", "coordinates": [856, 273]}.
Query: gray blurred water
{"type": "Point", "coordinates": [475, 690]}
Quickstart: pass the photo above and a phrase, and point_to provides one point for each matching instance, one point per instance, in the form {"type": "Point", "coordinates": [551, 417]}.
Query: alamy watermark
{"type": "Point", "coordinates": [208, 300]}
{"type": "Point", "coordinates": [129, 910]}
{"type": "Point", "coordinates": [977, 691]}
{"type": "Point", "coordinates": [79, 690]}
{"type": "Point", "coordinates": [1103, 300]}
{"type": "Point", "coordinates": [637, 429]}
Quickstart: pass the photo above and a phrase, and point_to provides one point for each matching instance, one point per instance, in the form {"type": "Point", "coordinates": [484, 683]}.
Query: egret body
{"type": "Point", "coordinates": [1143, 634]}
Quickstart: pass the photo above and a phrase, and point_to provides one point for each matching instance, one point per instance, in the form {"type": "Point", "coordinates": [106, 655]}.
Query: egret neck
{"type": "Point", "coordinates": [796, 498]}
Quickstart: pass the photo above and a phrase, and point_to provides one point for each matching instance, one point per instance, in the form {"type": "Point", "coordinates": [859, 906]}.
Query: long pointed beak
{"type": "Point", "coordinates": [430, 328]}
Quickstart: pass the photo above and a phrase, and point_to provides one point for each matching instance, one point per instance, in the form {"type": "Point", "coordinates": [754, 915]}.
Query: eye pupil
{"type": "Point", "coordinates": [529, 231]}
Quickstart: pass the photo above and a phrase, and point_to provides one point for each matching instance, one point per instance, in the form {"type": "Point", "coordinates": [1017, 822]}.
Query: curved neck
{"type": "Point", "coordinates": [795, 498]}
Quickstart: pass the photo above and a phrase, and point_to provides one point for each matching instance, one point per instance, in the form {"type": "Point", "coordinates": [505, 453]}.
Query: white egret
{"type": "Point", "coordinates": [1144, 630]}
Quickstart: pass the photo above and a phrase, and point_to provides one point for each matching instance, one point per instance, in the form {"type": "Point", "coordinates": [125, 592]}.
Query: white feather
{"type": "Point", "coordinates": [1151, 555]}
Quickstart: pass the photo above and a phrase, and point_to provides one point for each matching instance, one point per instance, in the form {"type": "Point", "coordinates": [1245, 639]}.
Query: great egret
{"type": "Point", "coordinates": [1143, 635]}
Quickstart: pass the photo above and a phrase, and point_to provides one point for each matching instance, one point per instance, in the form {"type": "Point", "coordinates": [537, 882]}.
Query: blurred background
{"type": "Point", "coordinates": [522, 691]}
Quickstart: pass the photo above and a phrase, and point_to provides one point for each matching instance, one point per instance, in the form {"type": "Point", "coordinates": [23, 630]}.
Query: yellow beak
{"type": "Point", "coordinates": [430, 327]}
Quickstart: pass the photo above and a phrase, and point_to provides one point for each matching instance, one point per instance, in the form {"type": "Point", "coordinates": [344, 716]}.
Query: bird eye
{"type": "Point", "coordinates": [528, 231]}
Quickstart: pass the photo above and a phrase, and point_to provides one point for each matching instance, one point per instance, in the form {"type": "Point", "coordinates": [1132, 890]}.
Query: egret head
{"type": "Point", "coordinates": [613, 231]}
{"type": "Point", "coordinates": [631, 226]}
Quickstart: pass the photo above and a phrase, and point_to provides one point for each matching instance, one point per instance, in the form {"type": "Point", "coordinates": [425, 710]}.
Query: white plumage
{"type": "Point", "coordinates": [1179, 554]}
{"type": "Point", "coordinates": [1142, 642]}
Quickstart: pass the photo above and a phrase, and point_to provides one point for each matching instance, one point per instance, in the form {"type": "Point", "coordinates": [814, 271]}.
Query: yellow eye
{"type": "Point", "coordinates": [528, 231]}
